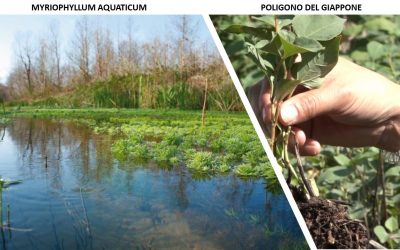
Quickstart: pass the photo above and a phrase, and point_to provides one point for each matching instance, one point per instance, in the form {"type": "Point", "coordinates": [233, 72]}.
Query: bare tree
{"type": "Point", "coordinates": [55, 48]}
{"type": "Point", "coordinates": [25, 55]}
{"type": "Point", "coordinates": [99, 67]}
{"type": "Point", "coordinates": [43, 78]}
{"type": "Point", "coordinates": [14, 80]}
{"type": "Point", "coordinates": [173, 66]}
{"type": "Point", "coordinates": [185, 28]}
{"type": "Point", "coordinates": [128, 51]}
{"type": "Point", "coordinates": [104, 53]}
{"type": "Point", "coordinates": [80, 54]}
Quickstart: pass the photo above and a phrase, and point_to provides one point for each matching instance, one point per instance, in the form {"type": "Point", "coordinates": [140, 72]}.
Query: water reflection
{"type": "Point", "coordinates": [75, 195]}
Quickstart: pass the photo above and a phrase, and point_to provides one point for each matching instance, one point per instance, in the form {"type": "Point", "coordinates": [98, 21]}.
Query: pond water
{"type": "Point", "coordinates": [82, 198]}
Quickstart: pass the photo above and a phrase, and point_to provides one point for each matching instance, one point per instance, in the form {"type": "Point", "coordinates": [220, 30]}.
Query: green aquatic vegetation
{"type": "Point", "coordinates": [216, 148]}
{"type": "Point", "coordinates": [4, 120]}
{"type": "Point", "coordinates": [139, 152]}
{"type": "Point", "coordinates": [229, 158]}
{"type": "Point", "coordinates": [230, 212]}
{"type": "Point", "coordinates": [248, 170]}
{"type": "Point", "coordinates": [165, 153]}
{"type": "Point", "coordinates": [172, 137]}
{"type": "Point", "coordinates": [255, 156]}
{"type": "Point", "coordinates": [245, 169]}
{"type": "Point", "coordinates": [119, 150]}
{"type": "Point", "coordinates": [223, 168]}
{"type": "Point", "coordinates": [5, 183]}
{"type": "Point", "coordinates": [236, 147]}
{"type": "Point", "coordinates": [254, 218]}
{"type": "Point", "coordinates": [201, 139]}
{"type": "Point", "coordinates": [126, 150]}
{"type": "Point", "coordinates": [202, 161]}
{"type": "Point", "coordinates": [217, 145]}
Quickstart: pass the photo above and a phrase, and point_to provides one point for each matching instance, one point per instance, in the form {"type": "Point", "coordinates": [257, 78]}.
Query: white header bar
{"type": "Point", "coordinates": [368, 7]}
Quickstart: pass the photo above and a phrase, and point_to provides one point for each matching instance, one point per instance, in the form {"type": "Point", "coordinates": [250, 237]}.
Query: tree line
{"type": "Point", "coordinates": [96, 67]}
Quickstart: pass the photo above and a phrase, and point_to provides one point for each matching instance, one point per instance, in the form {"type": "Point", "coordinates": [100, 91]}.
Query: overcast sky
{"type": "Point", "coordinates": [146, 28]}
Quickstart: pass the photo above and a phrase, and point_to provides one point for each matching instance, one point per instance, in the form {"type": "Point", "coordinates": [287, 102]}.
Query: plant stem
{"type": "Point", "coordinates": [273, 127]}
{"type": "Point", "coordinates": [275, 109]}
{"type": "Point", "coordinates": [301, 171]}
{"type": "Point", "coordinates": [286, 160]}
{"type": "Point", "coordinates": [381, 176]}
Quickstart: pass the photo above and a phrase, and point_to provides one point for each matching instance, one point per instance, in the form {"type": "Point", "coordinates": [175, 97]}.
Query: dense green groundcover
{"type": "Point", "coordinates": [226, 144]}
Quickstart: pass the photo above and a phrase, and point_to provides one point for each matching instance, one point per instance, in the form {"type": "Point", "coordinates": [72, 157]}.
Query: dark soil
{"type": "Point", "coordinates": [330, 224]}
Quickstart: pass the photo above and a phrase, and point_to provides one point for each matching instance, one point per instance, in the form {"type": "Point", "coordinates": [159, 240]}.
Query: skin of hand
{"type": "Point", "coordinates": [354, 107]}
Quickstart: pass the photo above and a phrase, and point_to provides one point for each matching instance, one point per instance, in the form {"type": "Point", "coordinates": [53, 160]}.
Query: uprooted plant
{"type": "Point", "coordinates": [295, 51]}
{"type": "Point", "coordinates": [291, 51]}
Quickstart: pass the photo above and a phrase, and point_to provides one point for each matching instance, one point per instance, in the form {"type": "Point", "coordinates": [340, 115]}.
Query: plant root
{"type": "Point", "coordinates": [331, 226]}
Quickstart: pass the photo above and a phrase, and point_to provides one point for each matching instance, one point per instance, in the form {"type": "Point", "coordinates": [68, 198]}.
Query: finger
{"type": "Point", "coordinates": [308, 105]}
{"type": "Point", "coordinates": [307, 146]}
{"type": "Point", "coordinates": [311, 148]}
{"type": "Point", "coordinates": [298, 136]}
{"type": "Point", "coordinates": [265, 102]}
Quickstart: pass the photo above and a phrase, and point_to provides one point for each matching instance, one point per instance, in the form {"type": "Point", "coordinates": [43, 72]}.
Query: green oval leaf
{"type": "Point", "coordinates": [381, 23]}
{"type": "Point", "coordinates": [243, 29]}
{"type": "Point", "coordinates": [381, 233]}
{"type": "Point", "coordinates": [391, 224]}
{"type": "Point", "coordinates": [314, 83]}
{"type": "Point", "coordinates": [359, 56]}
{"type": "Point", "coordinates": [290, 49]}
{"type": "Point", "coordinates": [284, 88]}
{"type": "Point", "coordinates": [317, 65]}
{"type": "Point", "coordinates": [322, 28]}
{"type": "Point", "coordinates": [376, 50]}
{"type": "Point", "coordinates": [333, 174]}
{"type": "Point", "coordinates": [393, 172]}
{"type": "Point", "coordinates": [308, 44]}
{"type": "Point", "coordinates": [394, 200]}
{"type": "Point", "coordinates": [342, 160]}
{"type": "Point", "coordinates": [283, 21]}
{"type": "Point", "coordinates": [272, 47]}
{"type": "Point", "coordinates": [258, 59]}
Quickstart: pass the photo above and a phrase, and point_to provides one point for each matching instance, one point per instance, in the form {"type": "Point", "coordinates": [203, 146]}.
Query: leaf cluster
{"type": "Point", "coordinates": [292, 50]}
{"type": "Point", "coordinates": [374, 42]}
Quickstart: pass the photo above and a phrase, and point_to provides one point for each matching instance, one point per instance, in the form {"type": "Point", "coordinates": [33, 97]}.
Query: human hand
{"type": "Point", "coordinates": [354, 107]}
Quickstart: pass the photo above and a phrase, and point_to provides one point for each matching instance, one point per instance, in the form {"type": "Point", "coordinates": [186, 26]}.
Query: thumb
{"type": "Point", "coordinates": [307, 105]}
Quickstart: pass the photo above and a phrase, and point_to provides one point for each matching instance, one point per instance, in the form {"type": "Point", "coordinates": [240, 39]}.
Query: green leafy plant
{"type": "Point", "coordinates": [390, 233]}
{"type": "Point", "coordinates": [4, 120]}
{"type": "Point", "coordinates": [374, 42]}
{"type": "Point", "coordinates": [202, 161]}
{"type": "Point", "coordinates": [291, 51]}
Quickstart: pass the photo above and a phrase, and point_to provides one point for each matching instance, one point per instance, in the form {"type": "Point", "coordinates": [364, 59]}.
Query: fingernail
{"type": "Point", "coordinates": [288, 114]}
